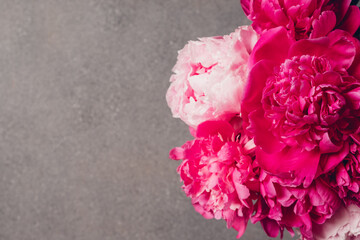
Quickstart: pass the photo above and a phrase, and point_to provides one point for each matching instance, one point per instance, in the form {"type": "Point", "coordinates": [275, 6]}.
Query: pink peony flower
{"type": "Point", "coordinates": [209, 77]}
{"type": "Point", "coordinates": [293, 207]}
{"type": "Point", "coordinates": [217, 173]}
{"type": "Point", "coordinates": [344, 225]}
{"type": "Point", "coordinates": [304, 18]}
{"type": "Point", "coordinates": [302, 103]}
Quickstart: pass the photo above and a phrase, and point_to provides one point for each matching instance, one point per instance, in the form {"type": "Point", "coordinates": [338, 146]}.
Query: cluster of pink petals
{"type": "Point", "coordinates": [284, 207]}
{"type": "Point", "coordinates": [303, 18]}
{"type": "Point", "coordinates": [302, 103]}
{"type": "Point", "coordinates": [217, 173]}
{"type": "Point", "coordinates": [209, 77]}
{"type": "Point", "coordinates": [302, 108]}
{"type": "Point", "coordinates": [275, 113]}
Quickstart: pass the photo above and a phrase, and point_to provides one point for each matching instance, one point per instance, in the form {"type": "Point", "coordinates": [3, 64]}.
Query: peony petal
{"type": "Point", "coordinates": [270, 227]}
{"type": "Point", "coordinates": [214, 128]}
{"type": "Point", "coordinates": [353, 97]}
{"type": "Point", "coordinates": [273, 12]}
{"type": "Point", "coordinates": [302, 207]}
{"type": "Point", "coordinates": [342, 50]}
{"type": "Point", "coordinates": [242, 191]}
{"type": "Point", "coordinates": [294, 163]}
{"type": "Point", "coordinates": [228, 152]}
{"type": "Point", "coordinates": [312, 47]}
{"type": "Point", "coordinates": [200, 209]}
{"type": "Point", "coordinates": [177, 153]}
{"type": "Point", "coordinates": [330, 161]}
{"type": "Point", "coordinates": [239, 224]}
{"type": "Point", "coordinates": [291, 218]}
{"type": "Point", "coordinates": [263, 136]}
{"type": "Point", "coordinates": [307, 224]}
{"type": "Point", "coordinates": [267, 188]}
{"type": "Point", "coordinates": [342, 176]}
{"type": "Point", "coordinates": [354, 69]}
{"type": "Point", "coordinates": [245, 4]}
{"type": "Point", "coordinates": [254, 87]}
{"type": "Point", "coordinates": [326, 145]}
{"type": "Point", "coordinates": [342, 7]}
{"type": "Point", "coordinates": [352, 20]}
{"type": "Point", "coordinates": [327, 194]}
{"type": "Point", "coordinates": [284, 196]}
{"type": "Point", "coordinates": [316, 199]}
{"type": "Point", "coordinates": [323, 25]}
{"type": "Point", "coordinates": [273, 45]}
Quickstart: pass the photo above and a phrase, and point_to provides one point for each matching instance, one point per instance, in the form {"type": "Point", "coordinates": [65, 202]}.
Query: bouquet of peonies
{"type": "Point", "coordinates": [274, 109]}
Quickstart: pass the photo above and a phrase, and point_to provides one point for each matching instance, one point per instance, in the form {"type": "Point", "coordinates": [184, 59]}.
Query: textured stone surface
{"type": "Point", "coordinates": [85, 130]}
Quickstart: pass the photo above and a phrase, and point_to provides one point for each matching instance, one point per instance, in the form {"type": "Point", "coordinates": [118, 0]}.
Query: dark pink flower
{"type": "Point", "coordinates": [217, 173]}
{"type": "Point", "coordinates": [302, 103]}
{"type": "Point", "coordinates": [304, 18]}
{"type": "Point", "coordinates": [293, 207]}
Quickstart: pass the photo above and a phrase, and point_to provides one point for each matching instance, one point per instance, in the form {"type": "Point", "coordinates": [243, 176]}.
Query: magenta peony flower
{"type": "Point", "coordinates": [293, 207]}
{"type": "Point", "coordinates": [302, 103]}
{"type": "Point", "coordinates": [344, 225]}
{"type": "Point", "coordinates": [304, 18]}
{"type": "Point", "coordinates": [209, 78]}
{"type": "Point", "coordinates": [217, 173]}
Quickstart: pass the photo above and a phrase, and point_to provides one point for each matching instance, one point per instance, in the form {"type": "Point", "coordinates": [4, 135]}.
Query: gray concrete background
{"type": "Point", "coordinates": [85, 129]}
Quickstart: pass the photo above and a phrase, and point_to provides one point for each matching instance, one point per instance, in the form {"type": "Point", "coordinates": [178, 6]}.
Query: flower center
{"type": "Point", "coordinates": [302, 99]}
{"type": "Point", "coordinates": [198, 68]}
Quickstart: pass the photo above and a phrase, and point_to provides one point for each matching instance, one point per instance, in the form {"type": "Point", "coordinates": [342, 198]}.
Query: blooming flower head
{"type": "Point", "coordinates": [284, 207]}
{"type": "Point", "coordinates": [209, 77]}
{"type": "Point", "coordinates": [292, 159]}
{"type": "Point", "coordinates": [217, 173]}
{"type": "Point", "coordinates": [302, 102]}
{"type": "Point", "coordinates": [304, 18]}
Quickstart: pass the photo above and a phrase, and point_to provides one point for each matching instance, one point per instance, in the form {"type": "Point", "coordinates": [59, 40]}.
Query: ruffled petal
{"type": "Point", "coordinates": [312, 47]}
{"type": "Point", "coordinates": [323, 25]}
{"type": "Point", "coordinates": [214, 128]}
{"type": "Point", "coordinates": [273, 45]}
{"type": "Point", "coordinates": [245, 4]}
{"type": "Point", "coordinates": [352, 20]}
{"type": "Point", "coordinates": [295, 164]}
{"type": "Point", "coordinates": [263, 137]}
{"type": "Point", "coordinates": [342, 50]}
{"type": "Point", "coordinates": [271, 227]}
{"type": "Point", "coordinates": [254, 87]}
